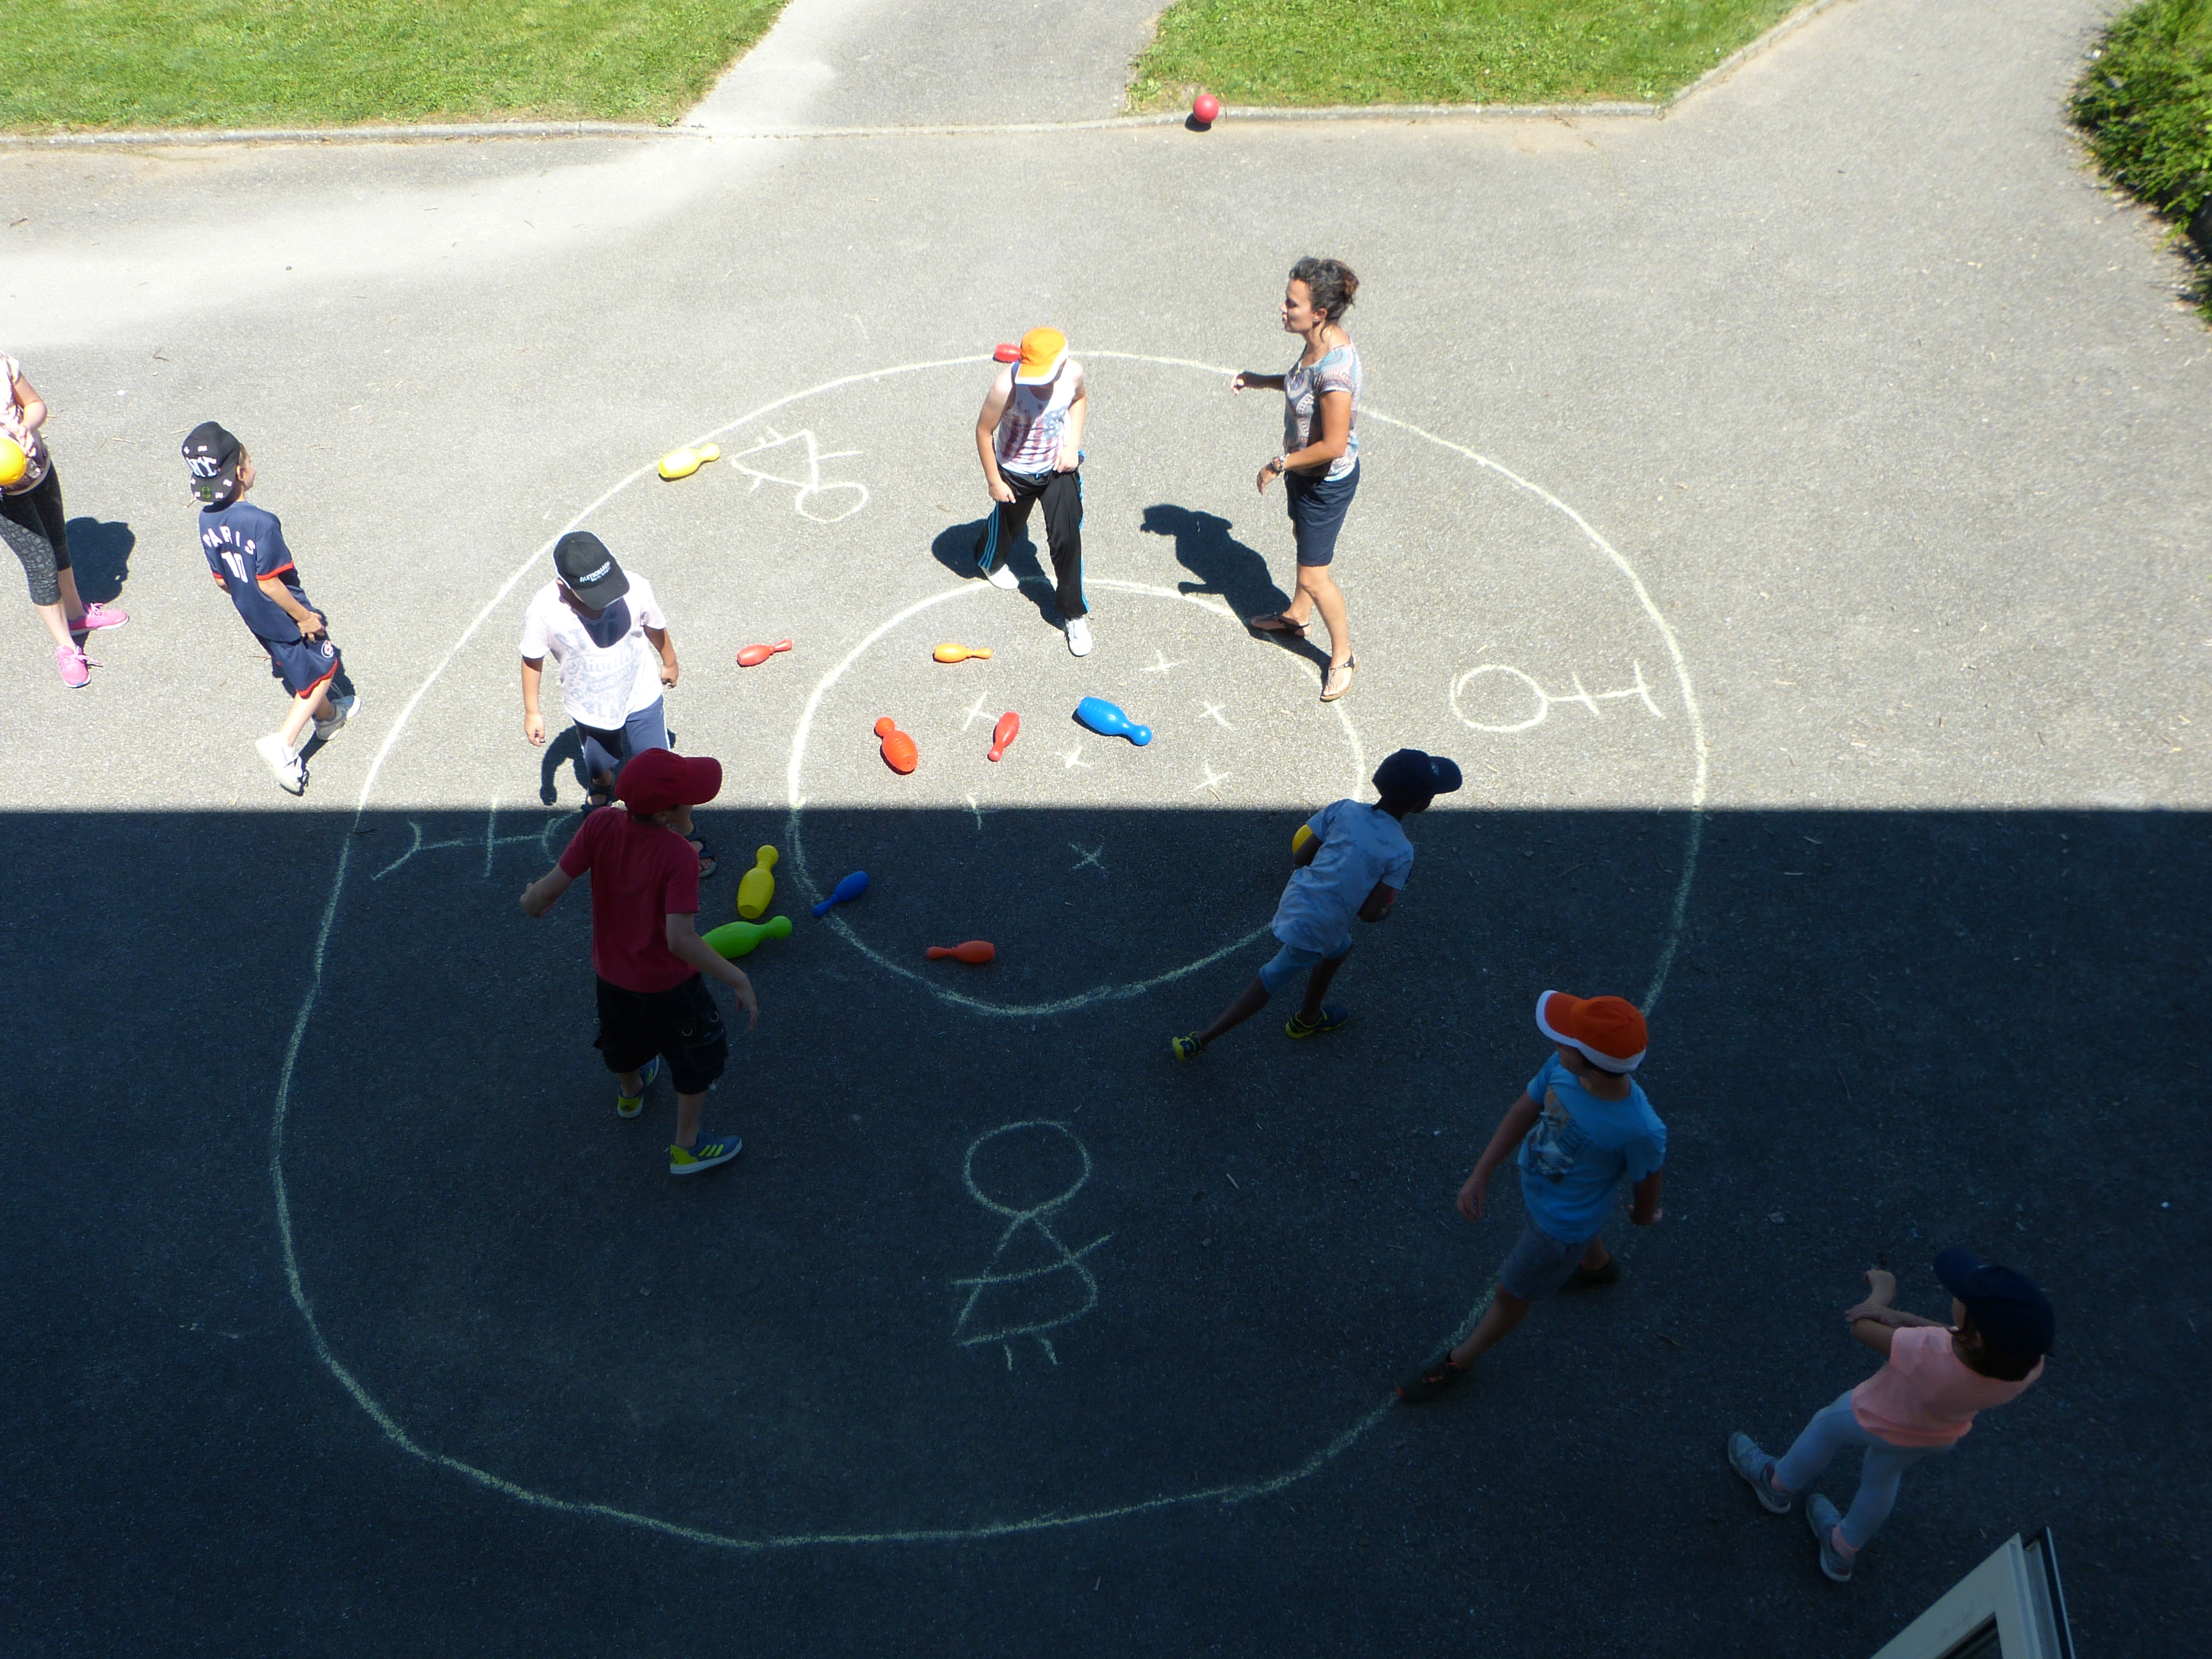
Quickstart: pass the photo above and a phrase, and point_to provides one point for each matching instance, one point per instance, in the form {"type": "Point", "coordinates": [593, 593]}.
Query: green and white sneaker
{"type": "Point", "coordinates": [690, 1160]}
{"type": "Point", "coordinates": [1332, 1019]}
{"type": "Point", "coordinates": [1822, 1517]}
{"type": "Point", "coordinates": [631, 1105]}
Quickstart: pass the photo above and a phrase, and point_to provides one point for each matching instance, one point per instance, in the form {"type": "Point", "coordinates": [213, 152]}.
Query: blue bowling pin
{"type": "Point", "coordinates": [847, 890]}
{"type": "Point", "coordinates": [1109, 722]}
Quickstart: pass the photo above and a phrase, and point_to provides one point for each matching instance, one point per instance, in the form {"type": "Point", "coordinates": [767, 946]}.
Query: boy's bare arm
{"type": "Point", "coordinates": [683, 940]}
{"type": "Point", "coordinates": [1644, 1208]}
{"type": "Point", "coordinates": [987, 429]}
{"type": "Point", "coordinates": [1519, 1119]}
{"type": "Point", "coordinates": [1078, 409]}
{"type": "Point", "coordinates": [1873, 1323]}
{"type": "Point", "coordinates": [664, 642]}
{"type": "Point", "coordinates": [533, 722]}
{"type": "Point", "coordinates": [538, 898]}
{"type": "Point", "coordinates": [309, 624]}
{"type": "Point", "coordinates": [1377, 903]}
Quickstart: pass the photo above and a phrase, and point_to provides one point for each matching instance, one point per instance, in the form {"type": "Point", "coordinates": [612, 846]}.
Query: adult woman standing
{"type": "Point", "coordinates": [31, 525]}
{"type": "Point", "coordinates": [1320, 463]}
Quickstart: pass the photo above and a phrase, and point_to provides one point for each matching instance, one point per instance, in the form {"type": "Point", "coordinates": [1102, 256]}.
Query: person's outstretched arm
{"type": "Point", "coordinates": [987, 432]}
{"type": "Point", "coordinates": [682, 933]}
{"type": "Point", "coordinates": [1519, 1119]}
{"type": "Point", "coordinates": [1245, 380]}
{"type": "Point", "coordinates": [538, 898]}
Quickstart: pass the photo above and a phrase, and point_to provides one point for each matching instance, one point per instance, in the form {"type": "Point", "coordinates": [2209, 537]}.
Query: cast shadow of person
{"type": "Point", "coordinates": [955, 548]}
{"type": "Point", "coordinates": [564, 748]}
{"type": "Point", "coordinates": [1205, 546]}
{"type": "Point", "coordinates": [99, 554]}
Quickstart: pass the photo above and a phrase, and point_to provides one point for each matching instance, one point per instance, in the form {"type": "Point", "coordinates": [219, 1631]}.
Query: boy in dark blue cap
{"type": "Point", "coordinates": [1348, 860]}
{"type": "Point", "coordinates": [1922, 1402]}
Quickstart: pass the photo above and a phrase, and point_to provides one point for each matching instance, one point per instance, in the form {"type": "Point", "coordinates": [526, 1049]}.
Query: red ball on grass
{"type": "Point", "coordinates": [1207, 108]}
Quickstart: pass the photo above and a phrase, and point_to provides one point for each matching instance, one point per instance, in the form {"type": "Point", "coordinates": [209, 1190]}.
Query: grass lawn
{"type": "Point", "coordinates": [1441, 52]}
{"type": "Point", "coordinates": [315, 63]}
{"type": "Point", "coordinates": [2146, 104]}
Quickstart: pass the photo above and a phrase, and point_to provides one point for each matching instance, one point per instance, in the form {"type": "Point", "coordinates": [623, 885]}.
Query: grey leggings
{"type": "Point", "coordinates": [32, 526]}
{"type": "Point", "coordinates": [1832, 1429]}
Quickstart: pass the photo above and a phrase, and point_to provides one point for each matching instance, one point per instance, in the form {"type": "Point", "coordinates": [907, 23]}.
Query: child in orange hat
{"type": "Point", "coordinates": [1592, 1130]}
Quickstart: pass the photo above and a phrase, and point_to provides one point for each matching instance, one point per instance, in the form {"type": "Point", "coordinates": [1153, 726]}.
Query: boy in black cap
{"type": "Point", "coordinates": [1348, 860]}
{"type": "Point", "coordinates": [1922, 1402]}
{"type": "Point", "coordinates": [245, 548]}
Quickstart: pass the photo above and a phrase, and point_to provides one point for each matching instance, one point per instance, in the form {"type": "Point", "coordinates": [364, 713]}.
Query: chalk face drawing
{"type": "Point", "coordinates": [824, 503]}
{"type": "Point", "coordinates": [1477, 691]}
{"type": "Point", "coordinates": [1033, 1283]}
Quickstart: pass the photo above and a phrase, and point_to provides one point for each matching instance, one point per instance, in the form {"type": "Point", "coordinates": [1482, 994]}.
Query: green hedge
{"type": "Point", "coordinates": [2146, 104]}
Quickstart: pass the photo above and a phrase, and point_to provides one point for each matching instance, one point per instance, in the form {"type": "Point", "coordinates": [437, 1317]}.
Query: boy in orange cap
{"type": "Point", "coordinates": [1592, 1130]}
{"type": "Point", "coordinates": [1029, 436]}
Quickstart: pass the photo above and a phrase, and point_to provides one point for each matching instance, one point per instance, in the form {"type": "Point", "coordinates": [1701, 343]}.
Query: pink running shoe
{"type": "Point", "coordinates": [99, 616]}
{"type": "Point", "coordinates": [76, 666]}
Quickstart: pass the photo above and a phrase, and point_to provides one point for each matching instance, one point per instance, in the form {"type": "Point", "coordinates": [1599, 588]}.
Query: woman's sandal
{"type": "Point", "coordinates": [1274, 621]}
{"type": "Point", "coordinates": [1346, 668]}
{"type": "Point", "coordinates": [705, 849]}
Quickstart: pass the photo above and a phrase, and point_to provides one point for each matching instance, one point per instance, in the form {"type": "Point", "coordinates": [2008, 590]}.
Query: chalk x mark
{"type": "Point", "coordinates": [1074, 758]}
{"type": "Point", "coordinates": [1090, 860]}
{"type": "Point", "coordinates": [976, 713]}
{"type": "Point", "coordinates": [1211, 711]}
{"type": "Point", "coordinates": [1160, 665]}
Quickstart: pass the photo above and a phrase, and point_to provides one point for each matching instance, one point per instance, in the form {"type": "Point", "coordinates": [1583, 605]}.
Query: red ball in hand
{"type": "Point", "coordinates": [1207, 108]}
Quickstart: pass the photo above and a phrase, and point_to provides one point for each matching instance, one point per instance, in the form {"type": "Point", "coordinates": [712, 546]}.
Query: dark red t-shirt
{"type": "Point", "coordinates": [642, 873]}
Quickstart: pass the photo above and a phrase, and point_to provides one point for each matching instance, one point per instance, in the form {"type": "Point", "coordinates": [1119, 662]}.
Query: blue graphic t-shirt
{"type": "Point", "coordinates": [1582, 1148]}
{"type": "Point", "coordinates": [244, 544]}
{"type": "Point", "coordinates": [1360, 845]}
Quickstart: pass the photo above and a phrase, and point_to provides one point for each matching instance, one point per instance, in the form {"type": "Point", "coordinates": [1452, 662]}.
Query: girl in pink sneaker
{"type": "Point", "coordinates": [32, 524]}
{"type": "Point", "coordinates": [1922, 1402]}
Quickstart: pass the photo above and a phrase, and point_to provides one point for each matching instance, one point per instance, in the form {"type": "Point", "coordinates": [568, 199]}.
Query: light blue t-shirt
{"type": "Point", "coordinates": [1360, 845]}
{"type": "Point", "coordinates": [1581, 1148]}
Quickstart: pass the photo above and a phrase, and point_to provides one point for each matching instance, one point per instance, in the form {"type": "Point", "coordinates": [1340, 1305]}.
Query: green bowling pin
{"type": "Point", "coordinates": [734, 940]}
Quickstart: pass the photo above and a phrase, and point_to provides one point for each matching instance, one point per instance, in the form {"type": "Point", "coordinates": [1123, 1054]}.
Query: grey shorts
{"type": "Point", "coordinates": [1539, 1264]}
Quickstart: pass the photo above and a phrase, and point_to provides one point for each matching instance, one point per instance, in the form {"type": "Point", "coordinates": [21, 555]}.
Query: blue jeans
{"type": "Point", "coordinates": [1833, 1428]}
{"type": "Point", "coordinates": [644, 730]}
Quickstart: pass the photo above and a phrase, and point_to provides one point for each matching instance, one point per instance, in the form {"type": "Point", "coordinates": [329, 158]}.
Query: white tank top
{"type": "Point", "coordinates": [1036, 421]}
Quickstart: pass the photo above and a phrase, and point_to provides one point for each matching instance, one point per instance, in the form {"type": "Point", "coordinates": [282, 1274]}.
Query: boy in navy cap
{"type": "Point", "coordinates": [1921, 1403]}
{"type": "Point", "coordinates": [1348, 860]}
{"type": "Point", "coordinates": [245, 551]}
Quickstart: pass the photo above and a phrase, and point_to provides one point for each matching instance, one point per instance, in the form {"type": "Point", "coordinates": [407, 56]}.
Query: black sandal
{"type": "Point", "coordinates": [706, 855]}
{"type": "Point", "coordinates": [1274, 621]}
{"type": "Point", "coordinates": [1348, 667]}
{"type": "Point", "coordinates": [598, 795]}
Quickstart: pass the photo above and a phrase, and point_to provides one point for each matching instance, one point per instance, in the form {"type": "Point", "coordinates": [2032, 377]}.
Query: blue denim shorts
{"type": "Point", "coordinates": [1287, 963]}
{"type": "Point", "coordinates": [1317, 507]}
{"type": "Point", "coordinates": [1539, 1264]}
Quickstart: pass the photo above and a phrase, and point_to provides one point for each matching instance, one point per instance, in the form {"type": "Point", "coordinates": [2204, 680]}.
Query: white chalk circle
{"type": "Point", "coordinates": [1353, 780]}
{"type": "Point", "coordinates": [1227, 1494]}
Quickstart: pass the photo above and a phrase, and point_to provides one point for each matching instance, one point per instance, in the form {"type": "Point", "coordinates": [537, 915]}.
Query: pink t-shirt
{"type": "Point", "coordinates": [1927, 1396]}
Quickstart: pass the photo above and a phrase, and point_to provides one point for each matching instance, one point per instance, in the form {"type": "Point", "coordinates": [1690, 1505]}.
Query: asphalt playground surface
{"type": "Point", "coordinates": [1791, 514]}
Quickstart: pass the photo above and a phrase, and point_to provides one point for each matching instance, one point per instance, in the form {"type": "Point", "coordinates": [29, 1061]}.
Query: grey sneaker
{"type": "Point", "coordinates": [344, 709]}
{"type": "Point", "coordinates": [1821, 1516]}
{"type": "Point", "coordinates": [1756, 1466]}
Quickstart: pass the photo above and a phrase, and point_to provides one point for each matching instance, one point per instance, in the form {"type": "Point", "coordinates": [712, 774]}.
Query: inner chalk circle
{"type": "Point", "coordinates": [1227, 1494]}
{"type": "Point", "coordinates": [793, 830]}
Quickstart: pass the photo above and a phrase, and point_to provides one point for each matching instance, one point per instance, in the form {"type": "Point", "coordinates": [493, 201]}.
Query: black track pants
{"type": "Point", "coordinates": [1062, 493]}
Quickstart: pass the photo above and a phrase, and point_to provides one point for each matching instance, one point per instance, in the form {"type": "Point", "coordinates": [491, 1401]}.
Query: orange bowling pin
{"type": "Point", "coordinates": [975, 951]}
{"type": "Point", "coordinates": [754, 655]}
{"type": "Point", "coordinates": [899, 752]}
{"type": "Point", "coordinates": [950, 652]}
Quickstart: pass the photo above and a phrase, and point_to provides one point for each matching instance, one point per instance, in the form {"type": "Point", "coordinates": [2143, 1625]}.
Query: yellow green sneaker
{"type": "Point", "coordinates": [690, 1160]}
{"type": "Point", "coordinates": [631, 1105]}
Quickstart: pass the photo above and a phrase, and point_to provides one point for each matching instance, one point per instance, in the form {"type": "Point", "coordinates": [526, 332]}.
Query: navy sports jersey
{"type": "Point", "coordinates": [243, 543]}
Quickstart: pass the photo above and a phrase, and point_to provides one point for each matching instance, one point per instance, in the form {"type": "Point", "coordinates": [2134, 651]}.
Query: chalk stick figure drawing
{"type": "Point", "coordinates": [1543, 699]}
{"type": "Point", "coordinates": [491, 840]}
{"type": "Point", "coordinates": [1033, 1283]}
{"type": "Point", "coordinates": [811, 489]}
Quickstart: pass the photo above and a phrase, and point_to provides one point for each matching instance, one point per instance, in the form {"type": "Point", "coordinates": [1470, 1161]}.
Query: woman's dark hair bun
{"type": "Point", "coordinates": [1330, 282]}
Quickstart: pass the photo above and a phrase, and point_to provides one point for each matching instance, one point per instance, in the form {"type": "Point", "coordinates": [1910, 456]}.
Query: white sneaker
{"type": "Point", "coordinates": [346, 709]}
{"type": "Point", "coordinates": [291, 772]}
{"type": "Point", "coordinates": [1078, 635]}
{"type": "Point", "coordinates": [1001, 574]}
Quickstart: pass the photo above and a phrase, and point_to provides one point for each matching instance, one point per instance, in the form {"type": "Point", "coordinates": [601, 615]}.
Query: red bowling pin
{"type": "Point", "coordinates": [754, 655]}
{"type": "Point", "coordinates": [899, 752]}
{"type": "Point", "coordinates": [1008, 728]}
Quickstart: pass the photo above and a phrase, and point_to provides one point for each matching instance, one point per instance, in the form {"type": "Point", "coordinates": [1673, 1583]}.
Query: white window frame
{"type": "Point", "coordinates": [2016, 1588]}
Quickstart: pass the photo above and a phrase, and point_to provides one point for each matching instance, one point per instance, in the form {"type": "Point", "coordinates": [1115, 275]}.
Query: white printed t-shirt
{"type": "Point", "coordinates": [1360, 845]}
{"type": "Point", "coordinates": [1034, 423]}
{"type": "Point", "coordinates": [609, 669]}
{"type": "Point", "coordinates": [1304, 384]}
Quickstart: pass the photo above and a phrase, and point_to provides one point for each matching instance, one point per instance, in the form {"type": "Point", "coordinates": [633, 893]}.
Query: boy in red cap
{"type": "Point", "coordinates": [1921, 1403]}
{"type": "Point", "coordinates": [646, 948]}
{"type": "Point", "coordinates": [1583, 1127]}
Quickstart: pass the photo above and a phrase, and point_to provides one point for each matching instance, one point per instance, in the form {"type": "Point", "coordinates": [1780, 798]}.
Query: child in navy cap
{"type": "Point", "coordinates": [1348, 860]}
{"type": "Point", "coordinates": [1920, 1403]}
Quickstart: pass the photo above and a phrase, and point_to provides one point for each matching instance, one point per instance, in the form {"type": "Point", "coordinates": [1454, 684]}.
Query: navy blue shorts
{"type": "Point", "coordinates": [1317, 509]}
{"type": "Point", "coordinates": [306, 666]}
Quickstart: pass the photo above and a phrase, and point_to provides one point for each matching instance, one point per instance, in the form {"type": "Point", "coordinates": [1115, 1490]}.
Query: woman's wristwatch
{"type": "Point", "coordinates": [1281, 463]}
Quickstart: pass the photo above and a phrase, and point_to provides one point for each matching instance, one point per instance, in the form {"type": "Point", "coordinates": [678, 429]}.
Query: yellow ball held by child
{"type": "Point", "coordinates": [13, 463]}
{"type": "Point", "coordinates": [1298, 840]}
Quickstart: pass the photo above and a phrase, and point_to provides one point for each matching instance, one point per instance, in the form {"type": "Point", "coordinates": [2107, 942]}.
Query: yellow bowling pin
{"type": "Point", "coordinates": [683, 463]}
{"type": "Point", "coordinates": [757, 890]}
